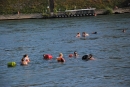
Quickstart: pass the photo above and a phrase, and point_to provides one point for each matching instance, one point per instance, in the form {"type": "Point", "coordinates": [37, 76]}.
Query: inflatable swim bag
{"type": "Point", "coordinates": [85, 57]}
{"type": "Point", "coordinates": [47, 56]}
{"type": "Point", "coordinates": [11, 64]}
{"type": "Point", "coordinates": [70, 55]}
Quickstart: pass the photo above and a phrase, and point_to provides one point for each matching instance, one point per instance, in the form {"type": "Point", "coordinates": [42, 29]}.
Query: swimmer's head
{"type": "Point", "coordinates": [75, 52]}
{"type": "Point", "coordinates": [90, 55]}
{"type": "Point", "coordinates": [60, 54]}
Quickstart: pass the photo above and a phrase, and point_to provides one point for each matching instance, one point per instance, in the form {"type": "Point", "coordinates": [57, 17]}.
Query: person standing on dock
{"type": "Point", "coordinates": [18, 13]}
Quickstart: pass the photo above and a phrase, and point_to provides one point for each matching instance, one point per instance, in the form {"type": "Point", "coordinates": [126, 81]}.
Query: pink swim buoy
{"type": "Point", "coordinates": [47, 56]}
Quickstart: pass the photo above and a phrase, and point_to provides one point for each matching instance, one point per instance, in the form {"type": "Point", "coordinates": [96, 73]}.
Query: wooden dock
{"type": "Point", "coordinates": [74, 13]}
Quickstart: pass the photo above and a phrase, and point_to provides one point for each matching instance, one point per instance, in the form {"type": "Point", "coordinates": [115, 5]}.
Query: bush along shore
{"type": "Point", "coordinates": [112, 11]}
{"type": "Point", "coordinates": [41, 16]}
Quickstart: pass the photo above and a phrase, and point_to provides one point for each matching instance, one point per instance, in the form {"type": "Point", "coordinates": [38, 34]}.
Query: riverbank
{"type": "Point", "coordinates": [40, 16]}
{"type": "Point", "coordinates": [115, 11]}
{"type": "Point", "coordinates": [21, 16]}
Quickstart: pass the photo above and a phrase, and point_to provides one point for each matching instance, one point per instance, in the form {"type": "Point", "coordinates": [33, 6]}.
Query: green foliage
{"type": "Point", "coordinates": [108, 11]}
{"type": "Point", "coordinates": [40, 6]}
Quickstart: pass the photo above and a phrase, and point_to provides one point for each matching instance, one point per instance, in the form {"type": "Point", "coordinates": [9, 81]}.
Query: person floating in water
{"type": "Point", "coordinates": [88, 57]}
{"type": "Point", "coordinates": [78, 35]}
{"type": "Point", "coordinates": [60, 58]}
{"type": "Point", "coordinates": [25, 60]}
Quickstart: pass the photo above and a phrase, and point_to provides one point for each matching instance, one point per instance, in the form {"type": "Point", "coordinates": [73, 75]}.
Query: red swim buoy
{"type": "Point", "coordinates": [47, 56]}
{"type": "Point", "coordinates": [70, 55]}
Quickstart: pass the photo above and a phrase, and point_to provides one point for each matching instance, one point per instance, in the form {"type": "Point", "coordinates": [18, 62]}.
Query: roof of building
{"type": "Point", "coordinates": [80, 9]}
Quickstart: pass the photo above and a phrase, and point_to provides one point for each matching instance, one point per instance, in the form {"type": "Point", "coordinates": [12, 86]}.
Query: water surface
{"type": "Point", "coordinates": [35, 37]}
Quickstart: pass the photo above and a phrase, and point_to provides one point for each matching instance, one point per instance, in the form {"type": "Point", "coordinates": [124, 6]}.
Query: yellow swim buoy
{"type": "Point", "coordinates": [11, 64]}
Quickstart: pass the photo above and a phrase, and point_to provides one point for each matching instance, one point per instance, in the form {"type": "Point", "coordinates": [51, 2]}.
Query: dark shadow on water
{"type": "Point", "coordinates": [71, 41]}
{"type": "Point", "coordinates": [84, 38]}
{"type": "Point", "coordinates": [93, 38]}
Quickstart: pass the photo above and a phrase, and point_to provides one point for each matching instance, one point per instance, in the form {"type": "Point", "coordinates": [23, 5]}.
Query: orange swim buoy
{"type": "Point", "coordinates": [70, 55]}
{"type": "Point", "coordinates": [47, 56]}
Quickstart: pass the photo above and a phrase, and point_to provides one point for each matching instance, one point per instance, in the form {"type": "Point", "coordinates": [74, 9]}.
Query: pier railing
{"type": "Point", "coordinates": [74, 13]}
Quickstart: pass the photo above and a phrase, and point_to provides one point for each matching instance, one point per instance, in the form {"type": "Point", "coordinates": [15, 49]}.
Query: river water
{"type": "Point", "coordinates": [35, 37]}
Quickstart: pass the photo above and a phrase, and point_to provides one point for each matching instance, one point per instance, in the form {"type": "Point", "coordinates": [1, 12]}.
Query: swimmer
{"type": "Point", "coordinates": [75, 54]}
{"type": "Point", "coordinates": [25, 60]}
{"type": "Point", "coordinates": [60, 58]}
{"type": "Point", "coordinates": [88, 57]}
{"type": "Point", "coordinates": [78, 35]}
{"type": "Point", "coordinates": [84, 34]}
{"type": "Point", "coordinates": [91, 57]}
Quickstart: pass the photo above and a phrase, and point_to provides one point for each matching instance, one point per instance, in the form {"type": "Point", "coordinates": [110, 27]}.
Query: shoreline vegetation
{"type": "Point", "coordinates": [42, 9]}
{"type": "Point", "coordinates": [40, 15]}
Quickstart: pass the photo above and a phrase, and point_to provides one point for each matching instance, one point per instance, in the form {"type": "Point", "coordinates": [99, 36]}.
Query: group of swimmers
{"type": "Point", "coordinates": [25, 60]}
{"type": "Point", "coordinates": [84, 34]}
